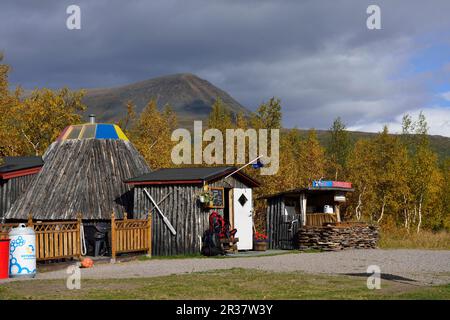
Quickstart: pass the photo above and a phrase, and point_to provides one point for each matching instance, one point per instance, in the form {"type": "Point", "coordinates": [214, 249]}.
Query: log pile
{"type": "Point", "coordinates": [334, 237]}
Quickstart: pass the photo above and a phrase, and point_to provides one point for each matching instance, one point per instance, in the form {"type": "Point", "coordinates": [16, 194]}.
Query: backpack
{"type": "Point", "coordinates": [211, 245]}
{"type": "Point", "coordinates": [216, 223]}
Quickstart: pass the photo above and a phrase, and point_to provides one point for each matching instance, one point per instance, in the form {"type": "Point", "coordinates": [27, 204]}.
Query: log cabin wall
{"type": "Point", "coordinates": [277, 229]}
{"type": "Point", "coordinates": [183, 210]}
{"type": "Point", "coordinates": [11, 189]}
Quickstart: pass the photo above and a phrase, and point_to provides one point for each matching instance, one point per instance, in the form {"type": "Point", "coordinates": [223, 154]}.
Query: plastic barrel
{"type": "Point", "coordinates": [22, 252]}
{"type": "Point", "coordinates": [4, 258]}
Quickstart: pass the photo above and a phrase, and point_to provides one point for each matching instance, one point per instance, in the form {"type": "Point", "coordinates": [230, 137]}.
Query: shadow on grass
{"type": "Point", "coordinates": [384, 276]}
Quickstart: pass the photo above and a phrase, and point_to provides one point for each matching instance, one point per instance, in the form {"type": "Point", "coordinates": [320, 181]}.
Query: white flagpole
{"type": "Point", "coordinates": [243, 167]}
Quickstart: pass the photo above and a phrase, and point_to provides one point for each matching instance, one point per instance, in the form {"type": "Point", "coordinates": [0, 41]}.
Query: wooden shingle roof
{"type": "Point", "coordinates": [190, 175]}
{"type": "Point", "coordinates": [18, 166]}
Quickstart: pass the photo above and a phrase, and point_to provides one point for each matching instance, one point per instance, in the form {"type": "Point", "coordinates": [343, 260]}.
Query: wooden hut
{"type": "Point", "coordinates": [83, 173]}
{"type": "Point", "coordinates": [16, 173]}
{"type": "Point", "coordinates": [177, 193]}
{"type": "Point", "coordinates": [306, 207]}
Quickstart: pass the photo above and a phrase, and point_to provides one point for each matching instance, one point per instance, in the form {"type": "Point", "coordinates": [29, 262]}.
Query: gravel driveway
{"type": "Point", "coordinates": [423, 266]}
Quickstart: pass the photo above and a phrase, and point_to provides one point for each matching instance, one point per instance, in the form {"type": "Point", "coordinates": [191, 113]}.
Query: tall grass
{"type": "Point", "coordinates": [392, 237]}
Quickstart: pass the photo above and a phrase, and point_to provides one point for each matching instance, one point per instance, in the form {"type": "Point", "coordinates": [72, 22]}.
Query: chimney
{"type": "Point", "coordinates": [92, 118]}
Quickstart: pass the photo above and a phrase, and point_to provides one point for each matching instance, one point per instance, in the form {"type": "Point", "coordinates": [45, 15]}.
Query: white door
{"type": "Point", "coordinates": [243, 219]}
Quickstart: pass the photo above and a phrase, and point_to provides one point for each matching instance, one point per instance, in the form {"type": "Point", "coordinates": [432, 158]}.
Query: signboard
{"type": "Point", "coordinates": [218, 199]}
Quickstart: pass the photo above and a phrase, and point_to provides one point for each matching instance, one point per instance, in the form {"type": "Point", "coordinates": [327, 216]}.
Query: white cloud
{"type": "Point", "coordinates": [357, 84]}
{"type": "Point", "coordinates": [446, 95]}
{"type": "Point", "coordinates": [438, 119]}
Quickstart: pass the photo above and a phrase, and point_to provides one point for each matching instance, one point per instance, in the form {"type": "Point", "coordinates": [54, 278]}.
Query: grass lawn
{"type": "Point", "coordinates": [227, 284]}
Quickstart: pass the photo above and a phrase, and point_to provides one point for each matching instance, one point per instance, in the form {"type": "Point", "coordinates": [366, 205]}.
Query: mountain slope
{"type": "Point", "coordinates": [439, 144]}
{"type": "Point", "coordinates": [190, 97]}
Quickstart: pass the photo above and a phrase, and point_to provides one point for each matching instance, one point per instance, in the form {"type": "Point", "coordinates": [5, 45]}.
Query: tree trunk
{"type": "Point", "coordinates": [420, 214]}
{"type": "Point", "coordinates": [382, 209]}
{"type": "Point", "coordinates": [358, 207]}
{"type": "Point", "coordinates": [406, 213]}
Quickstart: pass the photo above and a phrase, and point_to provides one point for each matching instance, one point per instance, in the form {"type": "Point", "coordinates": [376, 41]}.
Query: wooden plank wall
{"type": "Point", "coordinates": [278, 231]}
{"type": "Point", "coordinates": [183, 210]}
{"type": "Point", "coordinates": [11, 189]}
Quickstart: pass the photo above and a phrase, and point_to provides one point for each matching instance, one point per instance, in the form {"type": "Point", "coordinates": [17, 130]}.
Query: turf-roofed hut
{"type": "Point", "coordinates": [178, 193]}
{"type": "Point", "coordinates": [83, 173]}
{"type": "Point", "coordinates": [16, 173]}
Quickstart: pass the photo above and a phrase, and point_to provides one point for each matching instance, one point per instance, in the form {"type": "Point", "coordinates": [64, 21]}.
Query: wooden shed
{"type": "Point", "coordinates": [83, 173]}
{"type": "Point", "coordinates": [176, 191]}
{"type": "Point", "coordinates": [16, 174]}
{"type": "Point", "coordinates": [290, 210]}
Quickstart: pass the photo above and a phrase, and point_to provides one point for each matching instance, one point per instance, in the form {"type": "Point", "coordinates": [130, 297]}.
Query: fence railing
{"type": "Point", "coordinates": [61, 239]}
{"type": "Point", "coordinates": [58, 240]}
{"type": "Point", "coordinates": [54, 240]}
{"type": "Point", "coordinates": [131, 235]}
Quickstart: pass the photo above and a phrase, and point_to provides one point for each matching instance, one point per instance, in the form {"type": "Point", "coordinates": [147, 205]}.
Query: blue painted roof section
{"type": "Point", "coordinates": [106, 131]}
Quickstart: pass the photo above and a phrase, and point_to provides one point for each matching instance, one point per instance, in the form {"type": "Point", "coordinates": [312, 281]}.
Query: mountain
{"type": "Point", "coordinates": [439, 144]}
{"type": "Point", "coordinates": [190, 97]}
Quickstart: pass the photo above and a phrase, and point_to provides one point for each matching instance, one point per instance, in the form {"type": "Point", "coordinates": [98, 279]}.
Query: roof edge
{"type": "Point", "coordinates": [251, 181]}
{"type": "Point", "coordinates": [299, 190]}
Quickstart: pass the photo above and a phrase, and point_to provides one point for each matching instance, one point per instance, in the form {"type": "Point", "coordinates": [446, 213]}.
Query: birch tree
{"type": "Point", "coordinates": [338, 148]}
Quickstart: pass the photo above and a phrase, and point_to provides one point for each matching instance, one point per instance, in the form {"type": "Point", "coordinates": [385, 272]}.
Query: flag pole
{"type": "Point", "coordinates": [239, 169]}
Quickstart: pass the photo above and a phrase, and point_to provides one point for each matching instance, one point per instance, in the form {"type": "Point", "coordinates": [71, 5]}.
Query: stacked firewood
{"type": "Point", "coordinates": [334, 237]}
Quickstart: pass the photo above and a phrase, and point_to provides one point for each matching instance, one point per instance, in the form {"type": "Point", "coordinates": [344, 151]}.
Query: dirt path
{"type": "Point", "coordinates": [414, 266]}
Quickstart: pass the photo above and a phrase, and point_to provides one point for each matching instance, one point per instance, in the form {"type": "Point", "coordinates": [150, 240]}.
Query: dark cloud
{"type": "Point", "coordinates": [317, 56]}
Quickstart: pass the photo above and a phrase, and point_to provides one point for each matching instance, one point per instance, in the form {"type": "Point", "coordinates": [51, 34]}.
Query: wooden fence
{"type": "Point", "coordinates": [131, 235]}
{"type": "Point", "coordinates": [54, 240]}
{"type": "Point", "coordinates": [58, 240]}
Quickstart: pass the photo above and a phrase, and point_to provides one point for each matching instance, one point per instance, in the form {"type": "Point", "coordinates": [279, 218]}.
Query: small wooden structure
{"type": "Point", "coordinates": [83, 172]}
{"type": "Point", "coordinates": [16, 174]}
{"type": "Point", "coordinates": [131, 235]}
{"type": "Point", "coordinates": [290, 210]}
{"type": "Point", "coordinates": [177, 191]}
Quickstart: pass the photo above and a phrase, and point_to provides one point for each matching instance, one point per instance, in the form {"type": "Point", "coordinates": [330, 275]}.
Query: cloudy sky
{"type": "Point", "coordinates": [317, 56]}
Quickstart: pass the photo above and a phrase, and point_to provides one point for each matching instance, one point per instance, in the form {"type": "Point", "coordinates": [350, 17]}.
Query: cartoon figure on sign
{"type": "Point", "coordinates": [30, 249]}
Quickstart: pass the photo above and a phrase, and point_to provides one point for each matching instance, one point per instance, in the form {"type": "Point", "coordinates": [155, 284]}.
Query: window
{"type": "Point", "coordinates": [242, 199]}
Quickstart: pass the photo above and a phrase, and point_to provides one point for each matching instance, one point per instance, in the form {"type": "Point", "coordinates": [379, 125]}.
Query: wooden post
{"type": "Point", "coordinates": [149, 226]}
{"type": "Point", "coordinates": [113, 238]}
{"type": "Point", "coordinates": [338, 212]}
{"type": "Point", "coordinates": [78, 245]}
{"type": "Point", "coordinates": [30, 220]}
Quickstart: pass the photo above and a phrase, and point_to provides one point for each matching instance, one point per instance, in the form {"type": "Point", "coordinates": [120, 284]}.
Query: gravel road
{"type": "Point", "coordinates": [422, 266]}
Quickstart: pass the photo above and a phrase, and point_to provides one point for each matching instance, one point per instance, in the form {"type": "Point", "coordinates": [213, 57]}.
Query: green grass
{"type": "Point", "coordinates": [225, 284]}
